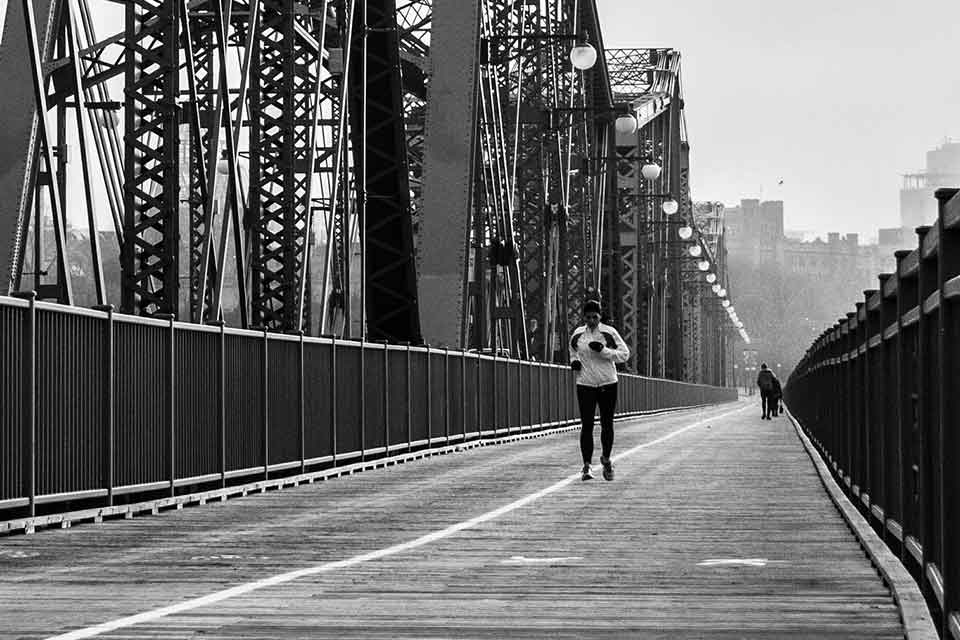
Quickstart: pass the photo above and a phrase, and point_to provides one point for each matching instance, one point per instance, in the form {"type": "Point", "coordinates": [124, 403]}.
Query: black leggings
{"type": "Point", "coordinates": [589, 398]}
{"type": "Point", "coordinates": [769, 402]}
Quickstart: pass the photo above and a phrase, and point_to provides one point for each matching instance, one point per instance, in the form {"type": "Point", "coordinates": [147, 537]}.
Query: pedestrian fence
{"type": "Point", "coordinates": [97, 406]}
{"type": "Point", "coordinates": [878, 394]}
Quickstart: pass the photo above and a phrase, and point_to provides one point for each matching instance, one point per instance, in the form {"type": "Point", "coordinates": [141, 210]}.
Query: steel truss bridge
{"type": "Point", "coordinates": [254, 244]}
{"type": "Point", "coordinates": [372, 169]}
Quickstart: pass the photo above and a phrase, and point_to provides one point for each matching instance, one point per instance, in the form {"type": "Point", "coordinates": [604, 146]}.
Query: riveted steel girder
{"type": "Point", "coordinates": [150, 259]}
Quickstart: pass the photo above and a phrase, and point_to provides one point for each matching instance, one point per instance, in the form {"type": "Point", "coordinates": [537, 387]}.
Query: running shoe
{"type": "Point", "coordinates": [587, 473]}
{"type": "Point", "coordinates": [607, 468]}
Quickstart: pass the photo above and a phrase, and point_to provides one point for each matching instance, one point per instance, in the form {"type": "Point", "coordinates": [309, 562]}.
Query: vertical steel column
{"type": "Point", "coordinates": [448, 162]}
{"type": "Point", "coordinates": [149, 258]}
{"type": "Point", "coordinates": [389, 281]}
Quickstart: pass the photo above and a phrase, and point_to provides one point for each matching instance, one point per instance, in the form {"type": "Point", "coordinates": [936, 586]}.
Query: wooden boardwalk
{"type": "Point", "coordinates": [716, 526]}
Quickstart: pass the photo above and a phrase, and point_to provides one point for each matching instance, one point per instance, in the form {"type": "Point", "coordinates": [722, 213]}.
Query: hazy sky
{"type": "Point", "coordinates": [836, 97]}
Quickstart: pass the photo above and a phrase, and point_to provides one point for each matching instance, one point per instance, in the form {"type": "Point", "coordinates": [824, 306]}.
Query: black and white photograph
{"type": "Point", "coordinates": [479, 319]}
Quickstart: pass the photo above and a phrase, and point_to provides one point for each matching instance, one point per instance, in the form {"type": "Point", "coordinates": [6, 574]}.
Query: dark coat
{"type": "Point", "coordinates": [777, 390]}
{"type": "Point", "coordinates": [765, 380]}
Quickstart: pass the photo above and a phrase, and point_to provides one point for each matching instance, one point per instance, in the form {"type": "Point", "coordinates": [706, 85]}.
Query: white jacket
{"type": "Point", "coordinates": [599, 367]}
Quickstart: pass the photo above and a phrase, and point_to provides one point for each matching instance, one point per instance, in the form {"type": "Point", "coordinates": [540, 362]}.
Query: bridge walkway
{"type": "Point", "coordinates": [716, 526]}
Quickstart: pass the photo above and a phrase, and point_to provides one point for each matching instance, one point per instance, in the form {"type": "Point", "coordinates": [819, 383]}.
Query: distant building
{"type": "Point", "coordinates": [755, 227]}
{"type": "Point", "coordinates": [917, 205]}
{"type": "Point", "coordinates": [755, 234]}
{"type": "Point", "coordinates": [788, 289]}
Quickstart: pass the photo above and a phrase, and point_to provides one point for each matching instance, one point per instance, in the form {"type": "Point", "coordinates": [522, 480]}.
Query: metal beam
{"type": "Point", "coordinates": [389, 287]}
{"type": "Point", "coordinates": [18, 142]}
{"type": "Point", "coordinates": [449, 151]}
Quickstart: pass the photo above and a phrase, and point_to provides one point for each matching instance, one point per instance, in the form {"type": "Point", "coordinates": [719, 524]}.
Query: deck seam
{"type": "Point", "coordinates": [917, 621]}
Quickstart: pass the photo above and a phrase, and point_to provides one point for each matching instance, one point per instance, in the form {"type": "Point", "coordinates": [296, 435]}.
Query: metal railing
{"type": "Point", "coordinates": [98, 406]}
{"type": "Point", "coordinates": [878, 394]}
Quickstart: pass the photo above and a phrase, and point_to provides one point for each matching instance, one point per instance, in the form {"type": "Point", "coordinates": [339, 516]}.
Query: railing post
{"type": "Point", "coordinates": [836, 407]}
{"type": "Point", "coordinates": [302, 408]}
{"type": "Point", "coordinates": [479, 395]}
{"type": "Point", "coordinates": [171, 402]}
{"type": "Point", "coordinates": [429, 391]}
{"type": "Point", "coordinates": [109, 426]}
{"type": "Point", "coordinates": [886, 421]}
{"type": "Point", "coordinates": [386, 399]}
{"type": "Point", "coordinates": [906, 298]}
{"type": "Point", "coordinates": [446, 394]}
{"type": "Point", "coordinates": [926, 436]}
{"type": "Point", "coordinates": [333, 399]}
{"type": "Point", "coordinates": [363, 407]}
{"type": "Point", "coordinates": [850, 403]}
{"type": "Point", "coordinates": [409, 401]}
{"type": "Point", "coordinates": [540, 394]}
{"type": "Point", "coordinates": [29, 435]}
{"type": "Point", "coordinates": [222, 409]}
{"type": "Point", "coordinates": [858, 399]}
{"type": "Point", "coordinates": [265, 390]}
{"type": "Point", "coordinates": [948, 269]}
{"type": "Point", "coordinates": [493, 392]}
{"type": "Point", "coordinates": [463, 393]}
{"type": "Point", "coordinates": [872, 415]}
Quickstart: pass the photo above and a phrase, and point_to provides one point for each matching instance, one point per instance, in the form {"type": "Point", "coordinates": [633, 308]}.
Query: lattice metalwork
{"type": "Point", "coordinates": [201, 80]}
{"type": "Point", "coordinates": [151, 170]}
{"type": "Point", "coordinates": [629, 266]}
{"type": "Point", "coordinates": [693, 333]}
{"type": "Point", "coordinates": [631, 71]}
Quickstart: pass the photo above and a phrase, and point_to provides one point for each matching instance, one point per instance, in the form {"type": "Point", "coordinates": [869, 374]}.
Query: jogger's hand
{"type": "Point", "coordinates": [576, 365]}
{"type": "Point", "coordinates": [596, 346]}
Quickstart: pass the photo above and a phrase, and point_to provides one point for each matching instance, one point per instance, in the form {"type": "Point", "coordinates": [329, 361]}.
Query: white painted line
{"type": "Point", "coordinates": [526, 560]}
{"type": "Point", "coordinates": [746, 562]}
{"type": "Point", "coordinates": [290, 576]}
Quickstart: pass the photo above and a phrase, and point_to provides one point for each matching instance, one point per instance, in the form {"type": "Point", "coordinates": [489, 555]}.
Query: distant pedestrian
{"type": "Point", "coordinates": [767, 382]}
{"type": "Point", "coordinates": [595, 350]}
{"type": "Point", "coordinates": [777, 396]}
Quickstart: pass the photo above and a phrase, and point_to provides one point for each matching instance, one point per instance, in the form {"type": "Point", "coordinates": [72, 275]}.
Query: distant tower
{"type": "Point", "coordinates": [917, 206]}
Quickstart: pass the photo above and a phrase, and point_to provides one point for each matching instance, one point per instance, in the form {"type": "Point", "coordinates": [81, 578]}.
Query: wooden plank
{"type": "Point", "coordinates": [723, 530]}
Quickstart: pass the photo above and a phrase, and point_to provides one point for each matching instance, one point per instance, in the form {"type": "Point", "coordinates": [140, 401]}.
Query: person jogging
{"type": "Point", "coordinates": [766, 381]}
{"type": "Point", "coordinates": [595, 350]}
